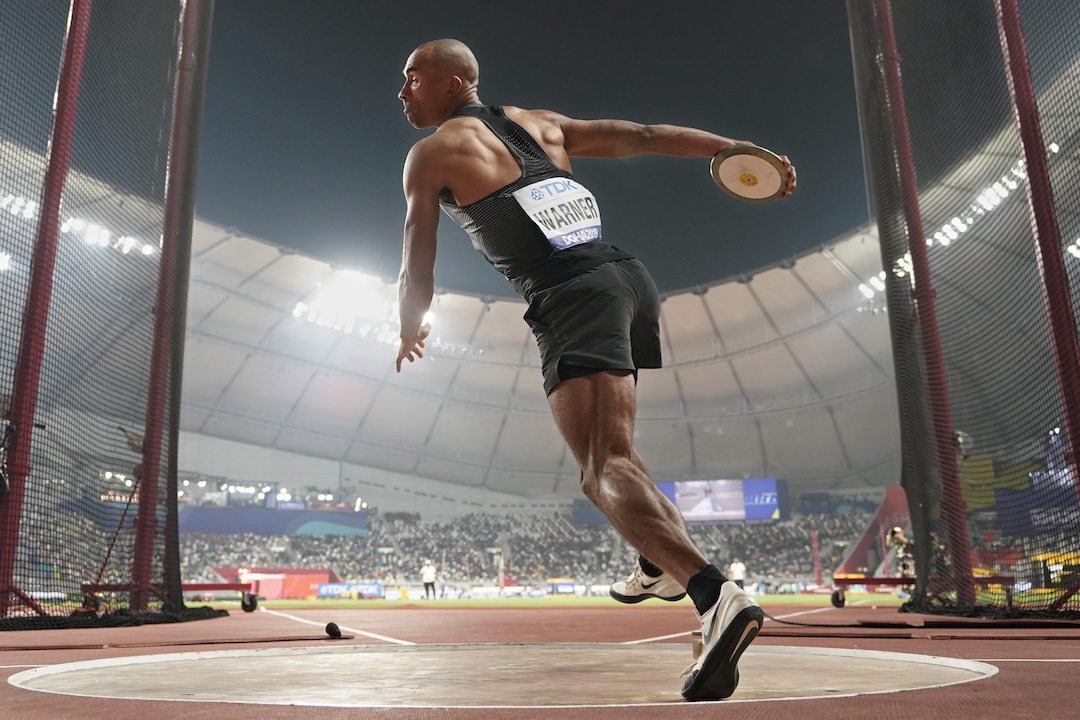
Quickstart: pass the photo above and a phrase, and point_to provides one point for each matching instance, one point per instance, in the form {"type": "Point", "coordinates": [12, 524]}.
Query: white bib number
{"type": "Point", "coordinates": [564, 210]}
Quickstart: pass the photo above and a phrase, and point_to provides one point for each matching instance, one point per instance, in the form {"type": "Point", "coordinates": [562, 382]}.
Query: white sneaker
{"type": "Point", "coordinates": [727, 629]}
{"type": "Point", "coordinates": [639, 586]}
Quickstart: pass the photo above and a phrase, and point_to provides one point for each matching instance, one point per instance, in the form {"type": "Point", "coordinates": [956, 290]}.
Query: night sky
{"type": "Point", "coordinates": [303, 137]}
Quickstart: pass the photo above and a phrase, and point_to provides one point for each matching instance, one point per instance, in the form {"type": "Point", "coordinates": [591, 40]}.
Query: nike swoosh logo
{"type": "Point", "coordinates": [646, 587]}
{"type": "Point", "coordinates": [753, 625]}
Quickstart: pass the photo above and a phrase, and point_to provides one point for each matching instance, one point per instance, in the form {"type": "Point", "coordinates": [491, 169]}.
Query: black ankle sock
{"type": "Point", "coordinates": [648, 568]}
{"type": "Point", "coordinates": [704, 588]}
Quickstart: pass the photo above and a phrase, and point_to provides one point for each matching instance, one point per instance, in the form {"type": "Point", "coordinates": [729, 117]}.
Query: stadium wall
{"type": "Point", "coordinates": [382, 489]}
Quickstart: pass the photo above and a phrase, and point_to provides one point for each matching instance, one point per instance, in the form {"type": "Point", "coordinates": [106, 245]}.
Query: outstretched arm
{"type": "Point", "coordinates": [621, 138]}
{"type": "Point", "coordinates": [416, 284]}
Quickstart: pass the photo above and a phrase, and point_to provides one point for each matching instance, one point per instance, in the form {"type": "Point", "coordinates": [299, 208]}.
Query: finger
{"type": "Point", "coordinates": [399, 364]}
{"type": "Point", "coordinates": [418, 351]}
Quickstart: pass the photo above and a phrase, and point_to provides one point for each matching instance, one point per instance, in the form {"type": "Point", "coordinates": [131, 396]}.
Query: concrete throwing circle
{"type": "Point", "coordinates": [471, 676]}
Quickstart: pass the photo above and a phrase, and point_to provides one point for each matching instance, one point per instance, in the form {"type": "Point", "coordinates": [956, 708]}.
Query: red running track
{"type": "Point", "coordinates": [1039, 674]}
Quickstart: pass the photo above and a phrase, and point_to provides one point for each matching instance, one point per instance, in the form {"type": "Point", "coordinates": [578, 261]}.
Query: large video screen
{"type": "Point", "coordinates": [719, 500]}
{"type": "Point", "coordinates": [710, 500]}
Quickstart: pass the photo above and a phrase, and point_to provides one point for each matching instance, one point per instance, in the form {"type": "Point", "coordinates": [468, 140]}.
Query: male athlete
{"type": "Point", "coordinates": [503, 174]}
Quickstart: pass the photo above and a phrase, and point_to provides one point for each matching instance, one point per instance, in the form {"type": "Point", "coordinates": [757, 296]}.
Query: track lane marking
{"type": "Point", "coordinates": [658, 637]}
{"type": "Point", "coordinates": [1038, 660]}
{"type": "Point", "coordinates": [687, 632]}
{"type": "Point", "coordinates": [357, 631]}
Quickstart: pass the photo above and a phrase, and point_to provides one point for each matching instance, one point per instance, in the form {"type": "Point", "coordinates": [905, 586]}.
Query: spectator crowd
{"type": "Point", "coordinates": [527, 549]}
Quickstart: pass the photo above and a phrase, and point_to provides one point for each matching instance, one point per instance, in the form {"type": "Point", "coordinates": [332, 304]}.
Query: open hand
{"type": "Point", "coordinates": [415, 346]}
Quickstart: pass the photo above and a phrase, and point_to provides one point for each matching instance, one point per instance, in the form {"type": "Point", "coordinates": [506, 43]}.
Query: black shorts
{"type": "Point", "coordinates": [605, 319]}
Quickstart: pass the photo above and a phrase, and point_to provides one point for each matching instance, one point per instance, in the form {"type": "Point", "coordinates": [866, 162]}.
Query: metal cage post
{"type": "Point", "coordinates": [39, 297]}
{"type": "Point", "coordinates": [171, 299]}
{"type": "Point", "coordinates": [956, 520]}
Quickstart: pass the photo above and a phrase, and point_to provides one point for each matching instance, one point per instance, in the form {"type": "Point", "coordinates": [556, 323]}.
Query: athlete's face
{"type": "Point", "coordinates": [417, 94]}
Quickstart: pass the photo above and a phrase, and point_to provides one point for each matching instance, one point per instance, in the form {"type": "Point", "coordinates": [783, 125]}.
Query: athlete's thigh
{"type": "Point", "coordinates": [595, 414]}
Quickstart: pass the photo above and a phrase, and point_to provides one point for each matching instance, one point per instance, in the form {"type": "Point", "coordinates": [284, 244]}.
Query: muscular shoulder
{"type": "Point", "coordinates": [457, 135]}
{"type": "Point", "coordinates": [543, 124]}
{"type": "Point", "coordinates": [436, 151]}
{"type": "Point", "coordinates": [422, 172]}
{"type": "Point", "coordinates": [435, 161]}
{"type": "Point", "coordinates": [424, 150]}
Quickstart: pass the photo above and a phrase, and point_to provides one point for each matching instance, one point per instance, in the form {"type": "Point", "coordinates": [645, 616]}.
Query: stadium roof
{"type": "Point", "coordinates": [785, 373]}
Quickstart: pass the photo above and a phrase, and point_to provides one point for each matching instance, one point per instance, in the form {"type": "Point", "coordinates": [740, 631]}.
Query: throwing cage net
{"type": "Point", "coordinates": [970, 113]}
{"type": "Point", "coordinates": [99, 106]}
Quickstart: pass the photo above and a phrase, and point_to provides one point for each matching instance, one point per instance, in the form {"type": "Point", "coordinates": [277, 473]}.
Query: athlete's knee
{"type": "Point", "coordinates": [598, 472]}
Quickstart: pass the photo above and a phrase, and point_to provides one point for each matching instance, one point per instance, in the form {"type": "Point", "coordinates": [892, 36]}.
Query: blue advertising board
{"type": "Point", "coordinates": [350, 590]}
{"type": "Point", "coordinates": [761, 499]}
{"type": "Point", "coordinates": [263, 521]}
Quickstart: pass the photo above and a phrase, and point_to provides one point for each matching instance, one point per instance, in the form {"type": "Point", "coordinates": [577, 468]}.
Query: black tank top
{"type": "Point", "coordinates": [540, 230]}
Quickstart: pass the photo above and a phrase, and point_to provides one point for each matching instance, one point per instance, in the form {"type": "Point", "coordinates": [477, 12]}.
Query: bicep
{"type": "Point", "coordinates": [602, 138]}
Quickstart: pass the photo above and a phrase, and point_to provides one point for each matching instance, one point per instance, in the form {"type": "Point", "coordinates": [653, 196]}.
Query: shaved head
{"type": "Point", "coordinates": [440, 77]}
{"type": "Point", "coordinates": [452, 57]}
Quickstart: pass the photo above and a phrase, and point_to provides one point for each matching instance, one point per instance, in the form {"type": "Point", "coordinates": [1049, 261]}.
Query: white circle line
{"type": "Point", "coordinates": [981, 670]}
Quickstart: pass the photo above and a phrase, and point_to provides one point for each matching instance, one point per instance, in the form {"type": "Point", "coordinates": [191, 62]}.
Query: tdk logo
{"type": "Point", "coordinates": [555, 187]}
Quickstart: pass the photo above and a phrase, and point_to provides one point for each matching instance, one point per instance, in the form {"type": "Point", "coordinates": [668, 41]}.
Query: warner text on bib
{"type": "Point", "coordinates": [564, 210]}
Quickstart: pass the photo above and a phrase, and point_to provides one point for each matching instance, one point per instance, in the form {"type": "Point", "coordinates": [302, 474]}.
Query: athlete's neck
{"type": "Point", "coordinates": [469, 99]}
{"type": "Point", "coordinates": [472, 97]}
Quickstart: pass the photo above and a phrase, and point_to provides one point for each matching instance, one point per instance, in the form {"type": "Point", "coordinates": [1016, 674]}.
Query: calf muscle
{"type": "Point", "coordinates": [595, 415]}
